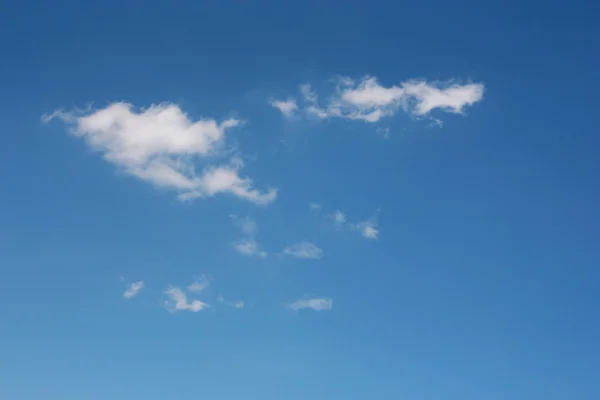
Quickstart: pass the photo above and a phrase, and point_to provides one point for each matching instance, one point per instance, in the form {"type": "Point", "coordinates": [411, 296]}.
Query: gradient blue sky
{"type": "Point", "coordinates": [466, 264]}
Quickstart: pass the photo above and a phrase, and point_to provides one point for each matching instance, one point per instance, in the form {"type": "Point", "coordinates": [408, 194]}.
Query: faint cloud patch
{"type": "Point", "coordinates": [133, 289]}
{"type": "Point", "coordinates": [235, 304]}
{"type": "Point", "coordinates": [247, 244]}
{"type": "Point", "coordinates": [303, 250]}
{"type": "Point", "coordinates": [286, 107]}
{"type": "Point", "coordinates": [314, 207]}
{"type": "Point", "coordinates": [198, 285]}
{"type": "Point", "coordinates": [367, 228]}
{"type": "Point", "coordinates": [312, 303]}
{"type": "Point", "coordinates": [177, 300]}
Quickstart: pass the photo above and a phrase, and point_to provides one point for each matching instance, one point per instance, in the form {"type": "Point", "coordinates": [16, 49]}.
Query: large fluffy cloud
{"type": "Point", "coordinates": [160, 145]}
{"type": "Point", "coordinates": [368, 100]}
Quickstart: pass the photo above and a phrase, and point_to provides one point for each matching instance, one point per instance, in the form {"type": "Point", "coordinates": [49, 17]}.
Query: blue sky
{"type": "Point", "coordinates": [314, 200]}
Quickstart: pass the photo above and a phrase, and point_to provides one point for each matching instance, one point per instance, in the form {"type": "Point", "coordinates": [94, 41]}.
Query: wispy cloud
{"type": "Point", "coordinates": [160, 145]}
{"type": "Point", "coordinates": [305, 250]}
{"type": "Point", "coordinates": [312, 303]}
{"type": "Point", "coordinates": [235, 304]}
{"type": "Point", "coordinates": [198, 285]}
{"type": "Point", "coordinates": [368, 100]}
{"type": "Point", "coordinates": [314, 206]}
{"type": "Point", "coordinates": [367, 228]}
{"type": "Point", "coordinates": [249, 247]}
{"type": "Point", "coordinates": [339, 218]}
{"type": "Point", "coordinates": [286, 107]}
{"type": "Point", "coordinates": [247, 244]}
{"type": "Point", "coordinates": [177, 301]}
{"type": "Point", "coordinates": [246, 224]}
{"type": "Point", "coordinates": [133, 289]}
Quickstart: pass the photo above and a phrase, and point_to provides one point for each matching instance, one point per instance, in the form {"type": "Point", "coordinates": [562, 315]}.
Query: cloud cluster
{"type": "Point", "coordinates": [161, 145]}
{"type": "Point", "coordinates": [178, 299]}
{"type": "Point", "coordinates": [367, 100]}
{"type": "Point", "coordinates": [312, 303]}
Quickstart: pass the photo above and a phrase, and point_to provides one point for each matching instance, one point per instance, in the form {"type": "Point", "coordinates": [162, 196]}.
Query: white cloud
{"type": "Point", "coordinates": [247, 245]}
{"type": "Point", "coordinates": [198, 286]}
{"type": "Point", "coordinates": [339, 218]}
{"type": "Point", "coordinates": [368, 229]}
{"type": "Point", "coordinates": [312, 303]}
{"type": "Point", "coordinates": [369, 101]}
{"type": "Point", "coordinates": [304, 250]}
{"type": "Point", "coordinates": [225, 179]}
{"type": "Point", "coordinates": [311, 99]}
{"type": "Point", "coordinates": [246, 224]}
{"type": "Point", "coordinates": [314, 206]}
{"type": "Point", "coordinates": [133, 289]}
{"type": "Point", "coordinates": [287, 107]}
{"type": "Point", "coordinates": [178, 301]}
{"type": "Point", "coordinates": [160, 145]}
{"type": "Point", "coordinates": [453, 98]}
{"type": "Point", "coordinates": [308, 94]}
{"type": "Point", "coordinates": [437, 122]}
{"type": "Point", "coordinates": [235, 304]}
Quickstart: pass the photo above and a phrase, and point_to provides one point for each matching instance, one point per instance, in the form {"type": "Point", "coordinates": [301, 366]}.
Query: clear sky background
{"type": "Point", "coordinates": [299, 200]}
